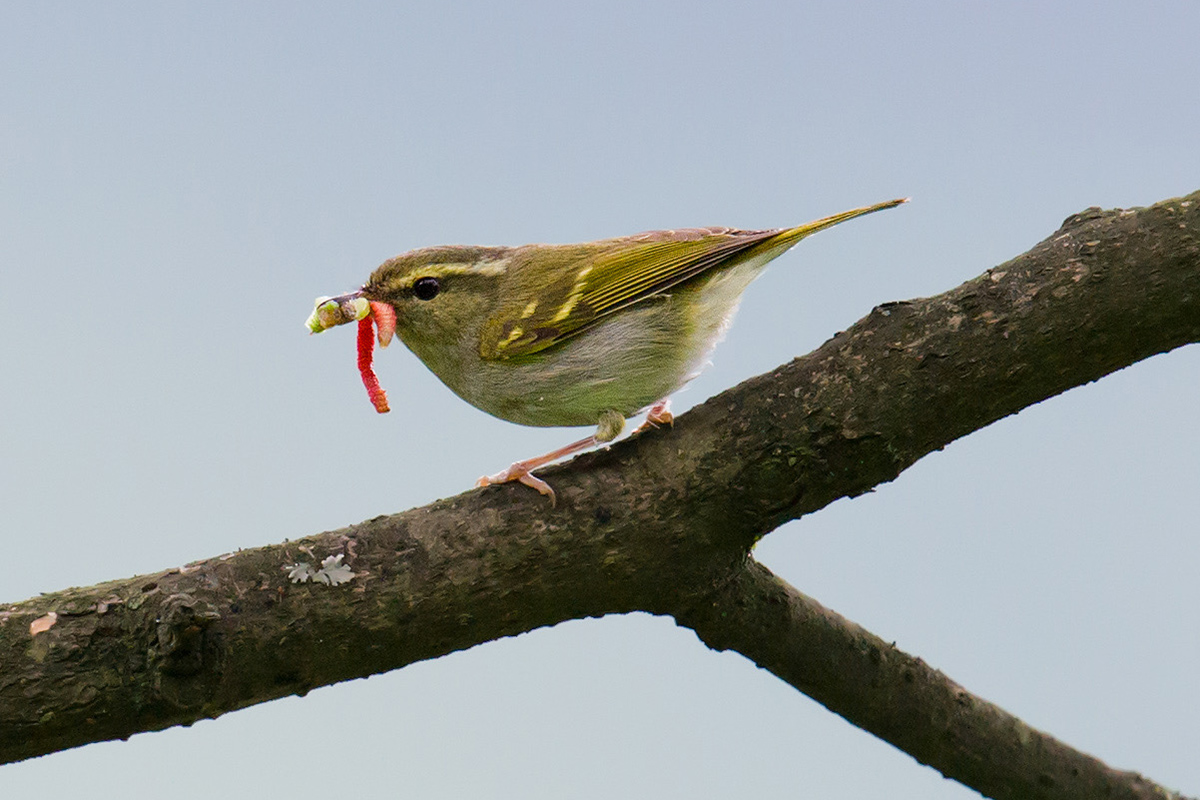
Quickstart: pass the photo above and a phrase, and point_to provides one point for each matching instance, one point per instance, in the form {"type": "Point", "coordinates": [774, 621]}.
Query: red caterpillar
{"type": "Point", "coordinates": [383, 316]}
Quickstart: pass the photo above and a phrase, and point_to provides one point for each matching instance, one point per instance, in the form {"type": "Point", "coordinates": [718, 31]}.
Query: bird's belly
{"type": "Point", "coordinates": [623, 364]}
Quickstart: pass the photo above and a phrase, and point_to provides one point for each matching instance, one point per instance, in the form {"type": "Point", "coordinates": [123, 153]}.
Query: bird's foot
{"type": "Point", "coordinates": [520, 471]}
{"type": "Point", "coordinates": [659, 414]}
{"type": "Point", "coordinates": [523, 470]}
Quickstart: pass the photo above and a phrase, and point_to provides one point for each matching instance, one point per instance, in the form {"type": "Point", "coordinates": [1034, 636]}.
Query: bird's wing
{"type": "Point", "coordinates": [573, 287]}
{"type": "Point", "coordinates": [587, 285]}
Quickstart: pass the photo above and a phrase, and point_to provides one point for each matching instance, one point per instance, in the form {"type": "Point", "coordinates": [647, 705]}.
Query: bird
{"type": "Point", "coordinates": [565, 335]}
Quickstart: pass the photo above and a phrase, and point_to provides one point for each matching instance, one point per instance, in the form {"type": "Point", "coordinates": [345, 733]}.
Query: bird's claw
{"type": "Point", "coordinates": [659, 414]}
{"type": "Point", "coordinates": [519, 472]}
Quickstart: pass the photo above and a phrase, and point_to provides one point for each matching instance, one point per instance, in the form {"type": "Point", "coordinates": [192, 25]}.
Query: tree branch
{"type": "Point", "coordinates": [899, 698]}
{"type": "Point", "coordinates": [662, 522]}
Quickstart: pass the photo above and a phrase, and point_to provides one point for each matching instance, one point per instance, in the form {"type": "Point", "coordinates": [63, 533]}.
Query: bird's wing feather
{"type": "Point", "coordinates": [609, 276]}
{"type": "Point", "coordinates": [573, 287]}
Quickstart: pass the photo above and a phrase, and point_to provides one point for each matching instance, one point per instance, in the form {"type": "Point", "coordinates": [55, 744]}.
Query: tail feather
{"type": "Point", "coordinates": [789, 236]}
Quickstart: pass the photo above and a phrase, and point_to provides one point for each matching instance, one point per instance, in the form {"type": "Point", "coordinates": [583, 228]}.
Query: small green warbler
{"type": "Point", "coordinates": [564, 335]}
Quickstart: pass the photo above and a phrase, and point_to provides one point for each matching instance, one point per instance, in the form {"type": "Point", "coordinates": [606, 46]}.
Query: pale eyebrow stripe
{"type": "Point", "coordinates": [494, 267]}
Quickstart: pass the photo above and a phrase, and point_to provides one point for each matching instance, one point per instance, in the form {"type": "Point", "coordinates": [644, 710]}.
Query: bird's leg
{"type": "Point", "coordinates": [611, 423]}
{"type": "Point", "coordinates": [659, 414]}
{"type": "Point", "coordinates": [521, 470]}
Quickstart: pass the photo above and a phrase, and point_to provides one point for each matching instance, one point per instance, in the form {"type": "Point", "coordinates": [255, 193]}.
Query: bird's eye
{"type": "Point", "coordinates": [426, 288]}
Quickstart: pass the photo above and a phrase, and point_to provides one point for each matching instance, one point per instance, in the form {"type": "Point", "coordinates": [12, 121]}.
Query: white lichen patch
{"type": "Point", "coordinates": [299, 572]}
{"type": "Point", "coordinates": [332, 572]}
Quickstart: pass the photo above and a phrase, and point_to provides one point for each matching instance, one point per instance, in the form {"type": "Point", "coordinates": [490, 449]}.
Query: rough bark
{"type": "Point", "coordinates": [899, 698]}
{"type": "Point", "coordinates": [661, 523]}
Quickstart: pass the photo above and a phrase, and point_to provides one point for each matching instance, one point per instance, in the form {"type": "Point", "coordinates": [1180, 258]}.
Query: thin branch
{"type": "Point", "coordinates": [900, 698]}
{"type": "Point", "coordinates": [662, 522]}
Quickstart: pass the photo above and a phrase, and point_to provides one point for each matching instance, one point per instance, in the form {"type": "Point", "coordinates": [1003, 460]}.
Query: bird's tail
{"type": "Point", "coordinates": [789, 236]}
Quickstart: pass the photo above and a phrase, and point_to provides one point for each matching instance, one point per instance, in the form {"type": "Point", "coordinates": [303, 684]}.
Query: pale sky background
{"type": "Point", "coordinates": [178, 182]}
